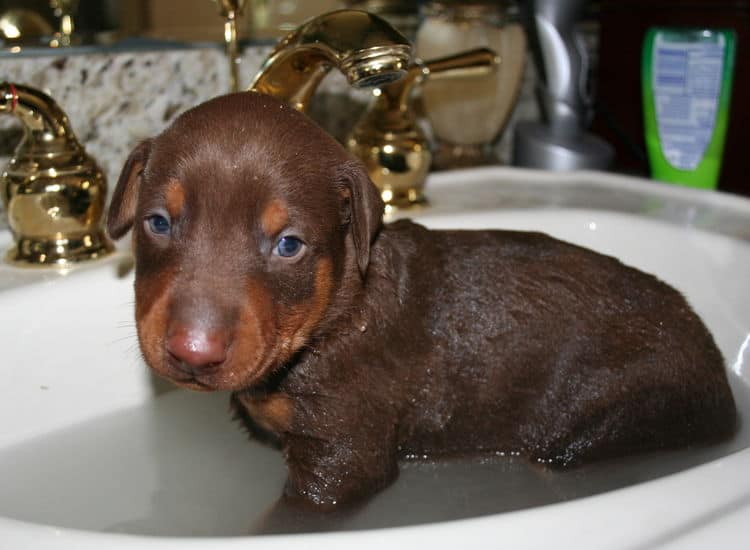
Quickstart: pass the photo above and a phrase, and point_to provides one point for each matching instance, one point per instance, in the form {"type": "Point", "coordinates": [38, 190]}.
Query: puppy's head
{"type": "Point", "coordinates": [247, 221]}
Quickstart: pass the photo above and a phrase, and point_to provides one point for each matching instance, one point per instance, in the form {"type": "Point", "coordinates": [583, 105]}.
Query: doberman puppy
{"type": "Point", "coordinates": [263, 267]}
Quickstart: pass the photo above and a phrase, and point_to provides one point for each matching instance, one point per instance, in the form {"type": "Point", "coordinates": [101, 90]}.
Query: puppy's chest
{"type": "Point", "coordinates": [271, 411]}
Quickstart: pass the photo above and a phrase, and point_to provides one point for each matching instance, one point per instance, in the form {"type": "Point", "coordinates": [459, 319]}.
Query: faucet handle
{"type": "Point", "coordinates": [476, 62]}
{"type": "Point", "coordinates": [364, 47]}
{"type": "Point", "coordinates": [389, 141]}
{"type": "Point", "coordinates": [52, 190]}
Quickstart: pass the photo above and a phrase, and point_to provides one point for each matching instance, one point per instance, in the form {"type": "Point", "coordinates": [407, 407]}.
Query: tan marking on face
{"type": "Point", "coordinates": [302, 319]}
{"type": "Point", "coordinates": [251, 355]}
{"type": "Point", "coordinates": [273, 412]}
{"type": "Point", "coordinates": [175, 198]}
{"type": "Point", "coordinates": [151, 317]}
{"type": "Point", "coordinates": [274, 218]}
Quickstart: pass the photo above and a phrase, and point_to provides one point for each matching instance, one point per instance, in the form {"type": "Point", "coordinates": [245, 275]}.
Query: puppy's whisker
{"type": "Point", "coordinates": [125, 338]}
{"type": "Point", "coordinates": [135, 353]}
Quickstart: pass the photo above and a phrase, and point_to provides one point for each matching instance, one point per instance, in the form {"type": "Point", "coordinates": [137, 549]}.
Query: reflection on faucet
{"type": "Point", "coordinates": [367, 49]}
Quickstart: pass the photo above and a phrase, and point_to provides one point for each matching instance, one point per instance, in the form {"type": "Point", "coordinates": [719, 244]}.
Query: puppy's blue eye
{"type": "Point", "coordinates": [158, 224]}
{"type": "Point", "coordinates": [288, 247]}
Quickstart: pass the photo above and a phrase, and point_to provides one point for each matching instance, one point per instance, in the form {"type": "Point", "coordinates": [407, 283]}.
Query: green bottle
{"type": "Point", "coordinates": [687, 85]}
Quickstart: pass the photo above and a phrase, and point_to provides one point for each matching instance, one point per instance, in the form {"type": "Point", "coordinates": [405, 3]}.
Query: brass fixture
{"type": "Point", "coordinates": [367, 49]}
{"type": "Point", "coordinates": [230, 10]}
{"type": "Point", "coordinates": [23, 26]}
{"type": "Point", "coordinates": [53, 192]}
{"type": "Point", "coordinates": [389, 141]}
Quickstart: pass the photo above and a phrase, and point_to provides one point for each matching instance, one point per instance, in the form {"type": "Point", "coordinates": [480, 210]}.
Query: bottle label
{"type": "Point", "coordinates": [687, 83]}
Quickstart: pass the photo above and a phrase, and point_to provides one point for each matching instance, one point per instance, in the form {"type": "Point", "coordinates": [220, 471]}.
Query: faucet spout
{"type": "Point", "coordinates": [364, 47]}
{"type": "Point", "coordinates": [48, 132]}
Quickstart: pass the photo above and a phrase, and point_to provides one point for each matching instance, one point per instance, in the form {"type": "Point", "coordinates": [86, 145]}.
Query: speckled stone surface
{"type": "Point", "coordinates": [114, 100]}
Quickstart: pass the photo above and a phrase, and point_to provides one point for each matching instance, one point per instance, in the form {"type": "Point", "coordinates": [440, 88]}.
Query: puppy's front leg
{"type": "Point", "coordinates": [329, 470]}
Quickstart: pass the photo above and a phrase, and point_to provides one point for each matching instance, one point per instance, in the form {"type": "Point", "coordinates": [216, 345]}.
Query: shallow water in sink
{"type": "Point", "coordinates": [178, 465]}
{"type": "Point", "coordinates": [181, 467]}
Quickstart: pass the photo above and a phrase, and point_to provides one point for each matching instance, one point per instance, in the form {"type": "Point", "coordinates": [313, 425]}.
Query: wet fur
{"type": "Point", "coordinates": [406, 341]}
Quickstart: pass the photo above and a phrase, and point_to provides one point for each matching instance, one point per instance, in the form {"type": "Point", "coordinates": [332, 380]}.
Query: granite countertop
{"type": "Point", "coordinates": [114, 100]}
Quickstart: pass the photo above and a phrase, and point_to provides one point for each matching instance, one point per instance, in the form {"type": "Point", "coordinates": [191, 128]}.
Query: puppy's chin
{"type": "Point", "coordinates": [224, 377]}
{"type": "Point", "coordinates": [191, 384]}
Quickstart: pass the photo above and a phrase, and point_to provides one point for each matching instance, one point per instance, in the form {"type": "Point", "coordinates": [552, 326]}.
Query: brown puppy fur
{"type": "Point", "coordinates": [374, 342]}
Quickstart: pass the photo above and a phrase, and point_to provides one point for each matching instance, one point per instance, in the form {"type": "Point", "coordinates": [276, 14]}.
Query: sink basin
{"type": "Point", "coordinates": [96, 453]}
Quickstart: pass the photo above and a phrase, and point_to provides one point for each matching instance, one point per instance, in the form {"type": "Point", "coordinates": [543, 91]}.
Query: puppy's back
{"type": "Point", "coordinates": [566, 354]}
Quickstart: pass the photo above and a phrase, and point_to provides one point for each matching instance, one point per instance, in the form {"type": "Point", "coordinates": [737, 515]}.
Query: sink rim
{"type": "Point", "coordinates": [502, 187]}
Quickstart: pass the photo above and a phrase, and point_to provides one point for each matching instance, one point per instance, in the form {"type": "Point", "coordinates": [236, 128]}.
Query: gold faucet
{"type": "Point", "coordinates": [371, 54]}
{"type": "Point", "coordinates": [367, 49]}
{"type": "Point", "coordinates": [52, 190]}
{"type": "Point", "coordinates": [389, 141]}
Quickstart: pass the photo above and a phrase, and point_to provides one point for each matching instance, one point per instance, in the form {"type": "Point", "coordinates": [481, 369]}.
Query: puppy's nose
{"type": "Point", "coordinates": [197, 348]}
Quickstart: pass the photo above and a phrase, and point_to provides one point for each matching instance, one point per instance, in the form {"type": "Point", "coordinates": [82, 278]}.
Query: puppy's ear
{"type": "Point", "coordinates": [365, 209]}
{"type": "Point", "coordinates": [122, 207]}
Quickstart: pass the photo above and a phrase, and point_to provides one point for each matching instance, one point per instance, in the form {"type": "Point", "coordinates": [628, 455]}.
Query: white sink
{"type": "Point", "coordinates": [94, 453]}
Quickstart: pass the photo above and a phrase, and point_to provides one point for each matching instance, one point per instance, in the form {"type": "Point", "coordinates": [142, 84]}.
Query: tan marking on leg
{"type": "Point", "coordinates": [274, 218]}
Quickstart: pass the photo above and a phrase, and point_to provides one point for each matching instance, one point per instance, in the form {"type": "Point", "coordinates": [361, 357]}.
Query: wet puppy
{"type": "Point", "coordinates": [262, 267]}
